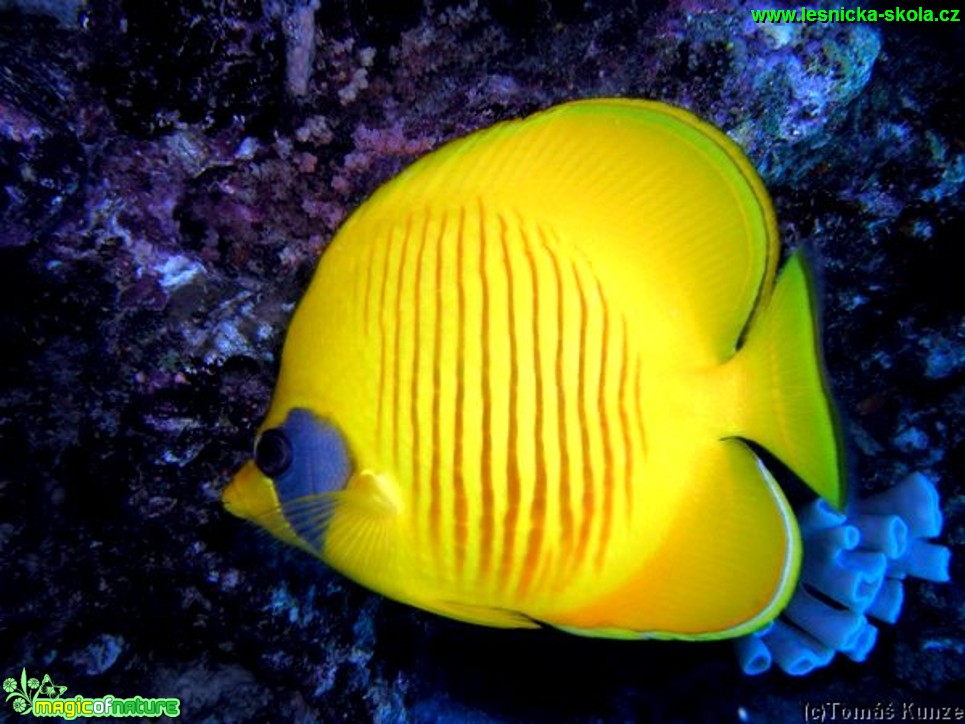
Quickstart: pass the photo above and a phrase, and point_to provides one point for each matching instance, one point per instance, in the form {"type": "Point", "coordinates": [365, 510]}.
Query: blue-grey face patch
{"type": "Point", "coordinates": [317, 462]}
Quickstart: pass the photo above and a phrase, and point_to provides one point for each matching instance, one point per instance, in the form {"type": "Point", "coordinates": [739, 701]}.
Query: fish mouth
{"type": "Point", "coordinates": [244, 495]}
{"type": "Point", "coordinates": [251, 496]}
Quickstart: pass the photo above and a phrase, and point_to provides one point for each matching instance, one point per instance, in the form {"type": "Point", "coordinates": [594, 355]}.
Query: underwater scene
{"type": "Point", "coordinates": [482, 361]}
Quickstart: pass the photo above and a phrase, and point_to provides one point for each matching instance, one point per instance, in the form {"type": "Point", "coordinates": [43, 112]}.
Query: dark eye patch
{"type": "Point", "coordinates": [273, 453]}
{"type": "Point", "coordinates": [311, 458]}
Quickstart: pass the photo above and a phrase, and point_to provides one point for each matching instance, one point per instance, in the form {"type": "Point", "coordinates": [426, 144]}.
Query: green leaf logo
{"type": "Point", "coordinates": [26, 693]}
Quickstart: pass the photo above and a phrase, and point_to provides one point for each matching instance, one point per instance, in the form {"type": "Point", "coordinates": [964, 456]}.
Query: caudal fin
{"type": "Point", "coordinates": [787, 407]}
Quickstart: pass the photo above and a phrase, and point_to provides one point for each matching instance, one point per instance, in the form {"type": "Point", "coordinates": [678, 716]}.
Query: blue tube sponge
{"type": "Point", "coordinates": [922, 560]}
{"type": "Point", "coordinates": [836, 628]}
{"type": "Point", "coordinates": [795, 651]}
{"type": "Point", "coordinates": [914, 499]}
{"type": "Point", "coordinates": [853, 568]}
{"type": "Point", "coordinates": [887, 533]}
{"type": "Point", "coordinates": [887, 604]}
{"type": "Point", "coordinates": [753, 655]}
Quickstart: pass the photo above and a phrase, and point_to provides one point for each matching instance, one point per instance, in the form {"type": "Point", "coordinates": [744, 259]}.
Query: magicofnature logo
{"type": "Point", "coordinates": [43, 698]}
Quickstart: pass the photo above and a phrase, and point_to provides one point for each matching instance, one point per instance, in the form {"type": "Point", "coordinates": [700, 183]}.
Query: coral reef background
{"type": "Point", "coordinates": [171, 171]}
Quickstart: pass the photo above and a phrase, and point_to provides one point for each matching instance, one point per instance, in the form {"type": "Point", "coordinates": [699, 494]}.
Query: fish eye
{"type": "Point", "coordinates": [273, 453]}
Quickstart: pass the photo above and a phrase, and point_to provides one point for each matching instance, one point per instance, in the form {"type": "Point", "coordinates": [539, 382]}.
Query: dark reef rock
{"type": "Point", "coordinates": [171, 172]}
{"type": "Point", "coordinates": [211, 63]}
{"type": "Point", "coordinates": [43, 162]}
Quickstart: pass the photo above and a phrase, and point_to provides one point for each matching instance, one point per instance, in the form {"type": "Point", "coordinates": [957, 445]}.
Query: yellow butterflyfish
{"type": "Point", "coordinates": [521, 387]}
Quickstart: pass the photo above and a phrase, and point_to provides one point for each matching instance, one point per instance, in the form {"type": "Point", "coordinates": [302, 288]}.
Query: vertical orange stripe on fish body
{"type": "Point", "coordinates": [512, 477]}
{"type": "Point", "coordinates": [537, 512]}
{"type": "Point", "coordinates": [435, 514]}
{"type": "Point", "coordinates": [415, 419]}
{"type": "Point", "coordinates": [486, 530]}
{"type": "Point", "coordinates": [460, 507]}
{"type": "Point", "coordinates": [397, 324]}
{"type": "Point", "coordinates": [564, 509]}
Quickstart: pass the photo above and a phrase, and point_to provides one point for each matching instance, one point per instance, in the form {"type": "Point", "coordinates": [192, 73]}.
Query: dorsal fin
{"type": "Point", "coordinates": [655, 198]}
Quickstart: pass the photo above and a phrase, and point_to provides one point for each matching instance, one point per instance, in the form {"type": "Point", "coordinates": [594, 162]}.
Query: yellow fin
{"type": "Point", "coordinates": [728, 563]}
{"type": "Point", "coordinates": [360, 536]}
{"type": "Point", "coordinates": [480, 615]}
{"type": "Point", "coordinates": [786, 404]}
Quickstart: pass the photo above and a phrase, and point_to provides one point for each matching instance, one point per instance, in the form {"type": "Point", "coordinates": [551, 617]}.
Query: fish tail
{"type": "Point", "coordinates": [783, 402]}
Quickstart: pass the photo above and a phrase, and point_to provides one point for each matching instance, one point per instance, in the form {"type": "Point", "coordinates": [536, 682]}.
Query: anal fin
{"type": "Point", "coordinates": [726, 567]}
